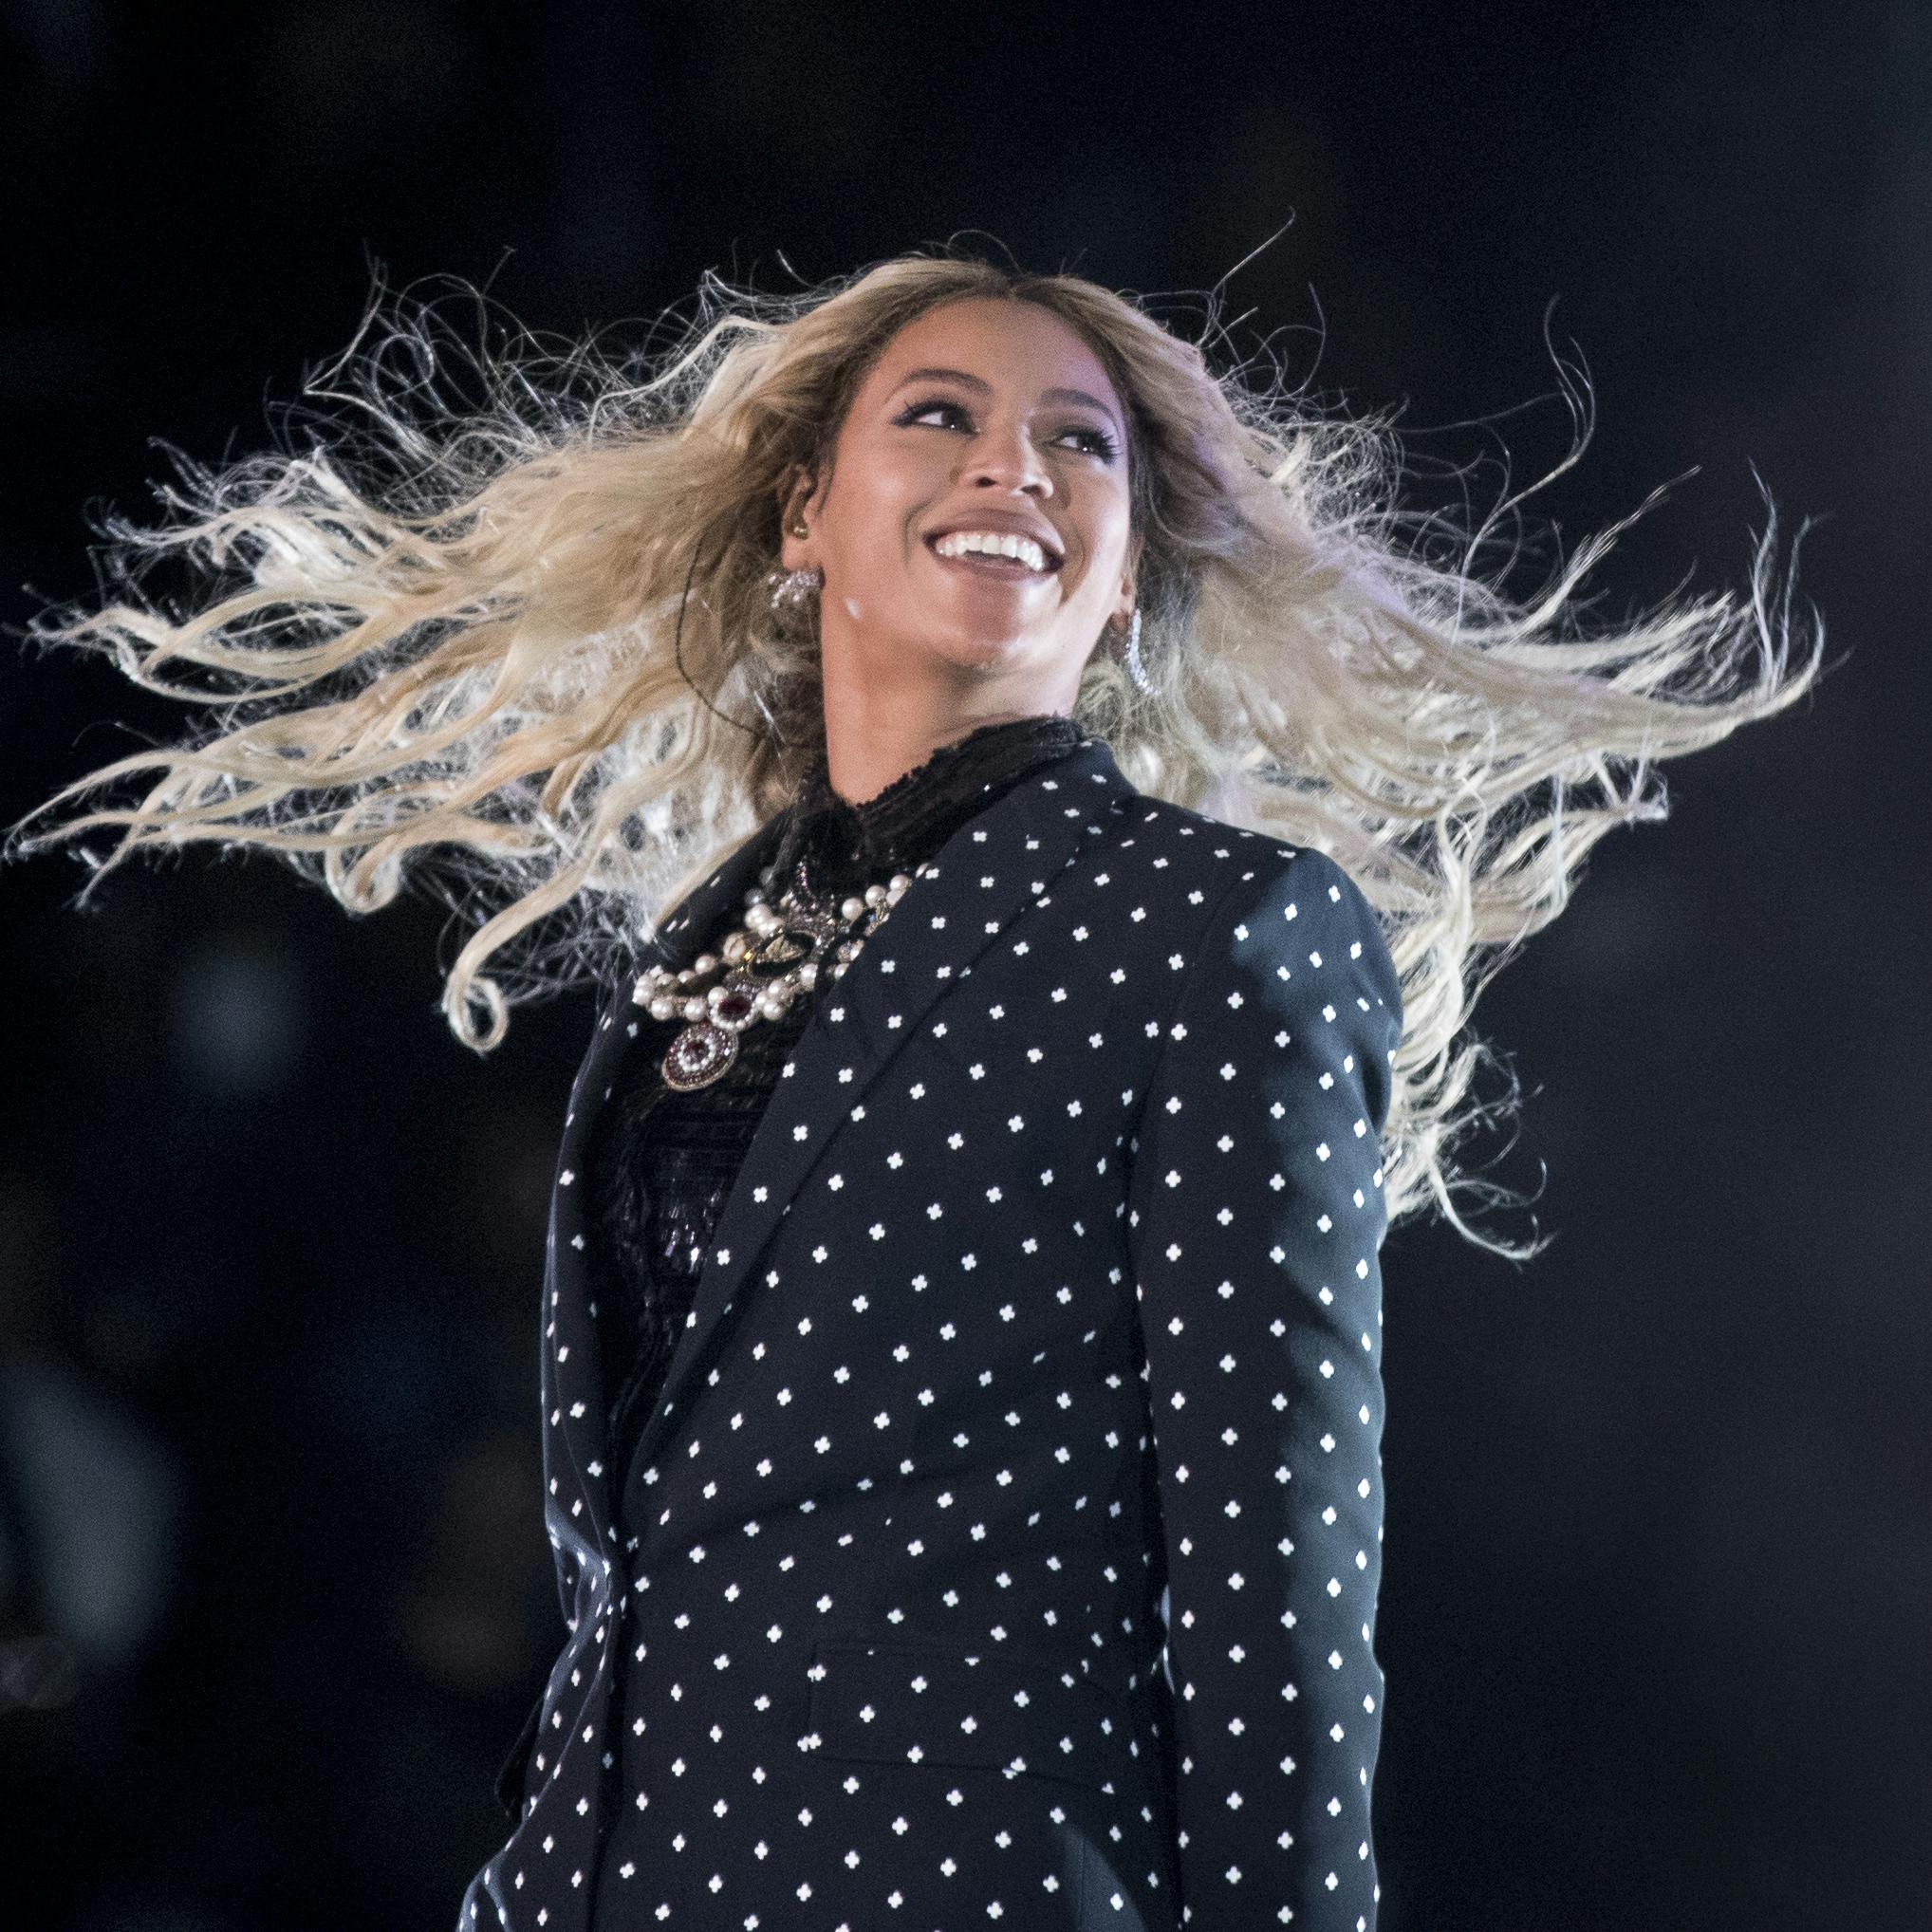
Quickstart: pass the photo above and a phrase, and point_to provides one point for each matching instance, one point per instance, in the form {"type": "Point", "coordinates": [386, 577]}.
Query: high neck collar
{"type": "Point", "coordinates": [913, 817]}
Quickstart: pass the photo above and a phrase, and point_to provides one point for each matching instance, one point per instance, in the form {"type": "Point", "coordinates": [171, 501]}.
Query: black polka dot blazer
{"type": "Point", "coordinates": [1004, 1543]}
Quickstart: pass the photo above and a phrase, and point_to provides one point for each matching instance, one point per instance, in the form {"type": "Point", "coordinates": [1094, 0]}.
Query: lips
{"type": "Point", "coordinates": [977, 563]}
{"type": "Point", "coordinates": [985, 521]}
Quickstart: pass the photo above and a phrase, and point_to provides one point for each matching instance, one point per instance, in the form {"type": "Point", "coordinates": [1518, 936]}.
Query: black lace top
{"type": "Point", "coordinates": [663, 1162]}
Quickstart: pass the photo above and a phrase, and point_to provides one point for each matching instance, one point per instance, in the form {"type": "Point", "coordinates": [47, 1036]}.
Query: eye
{"type": "Point", "coordinates": [1098, 442]}
{"type": "Point", "coordinates": [914, 412]}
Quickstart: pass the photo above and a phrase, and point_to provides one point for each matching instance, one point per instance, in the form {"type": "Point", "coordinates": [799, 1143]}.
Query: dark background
{"type": "Point", "coordinates": [1659, 1563]}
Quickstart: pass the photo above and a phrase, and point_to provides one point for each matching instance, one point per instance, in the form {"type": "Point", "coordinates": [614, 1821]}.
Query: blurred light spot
{"type": "Point", "coordinates": [238, 1017]}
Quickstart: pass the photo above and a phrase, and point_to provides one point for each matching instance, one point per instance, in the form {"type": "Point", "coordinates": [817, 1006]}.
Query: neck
{"type": "Point", "coordinates": [891, 701]}
{"type": "Point", "coordinates": [845, 842]}
{"type": "Point", "coordinates": [869, 744]}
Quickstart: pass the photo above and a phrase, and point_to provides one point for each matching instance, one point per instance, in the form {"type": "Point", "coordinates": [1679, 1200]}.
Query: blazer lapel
{"type": "Point", "coordinates": [573, 1386]}
{"type": "Point", "coordinates": [985, 875]}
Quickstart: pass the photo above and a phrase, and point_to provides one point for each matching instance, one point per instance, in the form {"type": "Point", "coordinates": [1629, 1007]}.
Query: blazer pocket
{"type": "Point", "coordinates": [882, 1703]}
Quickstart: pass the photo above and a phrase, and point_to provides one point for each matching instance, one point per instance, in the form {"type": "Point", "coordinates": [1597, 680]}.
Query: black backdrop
{"type": "Point", "coordinates": [1658, 1558]}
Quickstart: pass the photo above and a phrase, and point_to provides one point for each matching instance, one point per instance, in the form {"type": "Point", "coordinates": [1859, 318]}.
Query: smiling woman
{"type": "Point", "coordinates": [974, 513]}
{"type": "Point", "coordinates": [1036, 816]}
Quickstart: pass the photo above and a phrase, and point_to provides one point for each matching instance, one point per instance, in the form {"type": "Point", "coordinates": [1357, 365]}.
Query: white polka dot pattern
{"type": "Point", "coordinates": [1045, 1304]}
{"type": "Point", "coordinates": [1257, 1213]}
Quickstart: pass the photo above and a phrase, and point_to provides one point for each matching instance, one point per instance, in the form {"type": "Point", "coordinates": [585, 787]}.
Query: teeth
{"type": "Point", "coordinates": [986, 543]}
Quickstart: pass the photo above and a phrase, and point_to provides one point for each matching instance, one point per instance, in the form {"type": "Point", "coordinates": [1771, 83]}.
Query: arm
{"type": "Point", "coordinates": [1256, 1217]}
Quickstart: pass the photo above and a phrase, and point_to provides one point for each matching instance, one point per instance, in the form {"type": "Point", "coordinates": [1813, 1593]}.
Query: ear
{"type": "Point", "coordinates": [798, 507]}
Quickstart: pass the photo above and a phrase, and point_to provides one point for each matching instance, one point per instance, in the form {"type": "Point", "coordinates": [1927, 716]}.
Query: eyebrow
{"type": "Point", "coordinates": [983, 388]}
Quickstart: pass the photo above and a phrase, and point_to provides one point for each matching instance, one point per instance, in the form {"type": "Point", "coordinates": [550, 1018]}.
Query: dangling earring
{"type": "Point", "coordinates": [795, 603]}
{"type": "Point", "coordinates": [794, 597]}
{"type": "Point", "coordinates": [1131, 654]}
{"type": "Point", "coordinates": [677, 654]}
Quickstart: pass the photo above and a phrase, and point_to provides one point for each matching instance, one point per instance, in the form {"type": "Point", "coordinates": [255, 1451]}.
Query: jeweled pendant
{"type": "Point", "coordinates": [779, 950]}
{"type": "Point", "coordinates": [700, 1054]}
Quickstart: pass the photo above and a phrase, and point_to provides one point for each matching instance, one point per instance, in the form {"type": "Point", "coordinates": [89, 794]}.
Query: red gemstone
{"type": "Point", "coordinates": [698, 1055]}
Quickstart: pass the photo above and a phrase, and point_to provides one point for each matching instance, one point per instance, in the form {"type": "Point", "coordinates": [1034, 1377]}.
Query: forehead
{"type": "Point", "coordinates": [1008, 343]}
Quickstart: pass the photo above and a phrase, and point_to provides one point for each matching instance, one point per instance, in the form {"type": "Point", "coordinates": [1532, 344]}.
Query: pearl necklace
{"type": "Point", "coordinates": [798, 933]}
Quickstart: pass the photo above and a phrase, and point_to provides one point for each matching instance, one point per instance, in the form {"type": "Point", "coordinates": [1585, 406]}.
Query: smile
{"type": "Point", "coordinates": [996, 552]}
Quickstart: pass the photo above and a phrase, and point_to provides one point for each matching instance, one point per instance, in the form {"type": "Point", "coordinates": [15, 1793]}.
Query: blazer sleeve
{"type": "Point", "coordinates": [1256, 1220]}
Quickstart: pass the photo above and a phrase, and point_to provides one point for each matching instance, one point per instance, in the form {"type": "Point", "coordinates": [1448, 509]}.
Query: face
{"type": "Point", "coordinates": [984, 420]}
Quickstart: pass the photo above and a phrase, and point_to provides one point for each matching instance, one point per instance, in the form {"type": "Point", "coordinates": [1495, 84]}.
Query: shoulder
{"type": "Point", "coordinates": [1246, 894]}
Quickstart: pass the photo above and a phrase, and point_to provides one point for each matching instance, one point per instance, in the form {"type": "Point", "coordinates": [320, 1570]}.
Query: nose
{"type": "Point", "coordinates": [1006, 459]}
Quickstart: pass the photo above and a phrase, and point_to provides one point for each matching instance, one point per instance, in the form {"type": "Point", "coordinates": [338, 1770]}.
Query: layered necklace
{"type": "Point", "coordinates": [801, 934]}
{"type": "Point", "coordinates": [787, 938]}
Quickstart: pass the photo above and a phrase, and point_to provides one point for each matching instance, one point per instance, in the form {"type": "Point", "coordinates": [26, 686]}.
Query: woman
{"type": "Point", "coordinates": [961, 1388]}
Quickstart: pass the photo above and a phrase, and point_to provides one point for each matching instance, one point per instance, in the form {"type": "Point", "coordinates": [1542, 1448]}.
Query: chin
{"type": "Point", "coordinates": [996, 660]}
{"type": "Point", "coordinates": [973, 653]}
{"type": "Point", "coordinates": [967, 651]}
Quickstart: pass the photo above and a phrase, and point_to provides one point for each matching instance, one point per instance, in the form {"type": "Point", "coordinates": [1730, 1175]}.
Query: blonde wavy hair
{"type": "Point", "coordinates": [526, 635]}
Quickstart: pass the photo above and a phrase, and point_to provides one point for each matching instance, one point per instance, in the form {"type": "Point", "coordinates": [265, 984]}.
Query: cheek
{"type": "Point", "coordinates": [1108, 524]}
{"type": "Point", "coordinates": [880, 514]}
